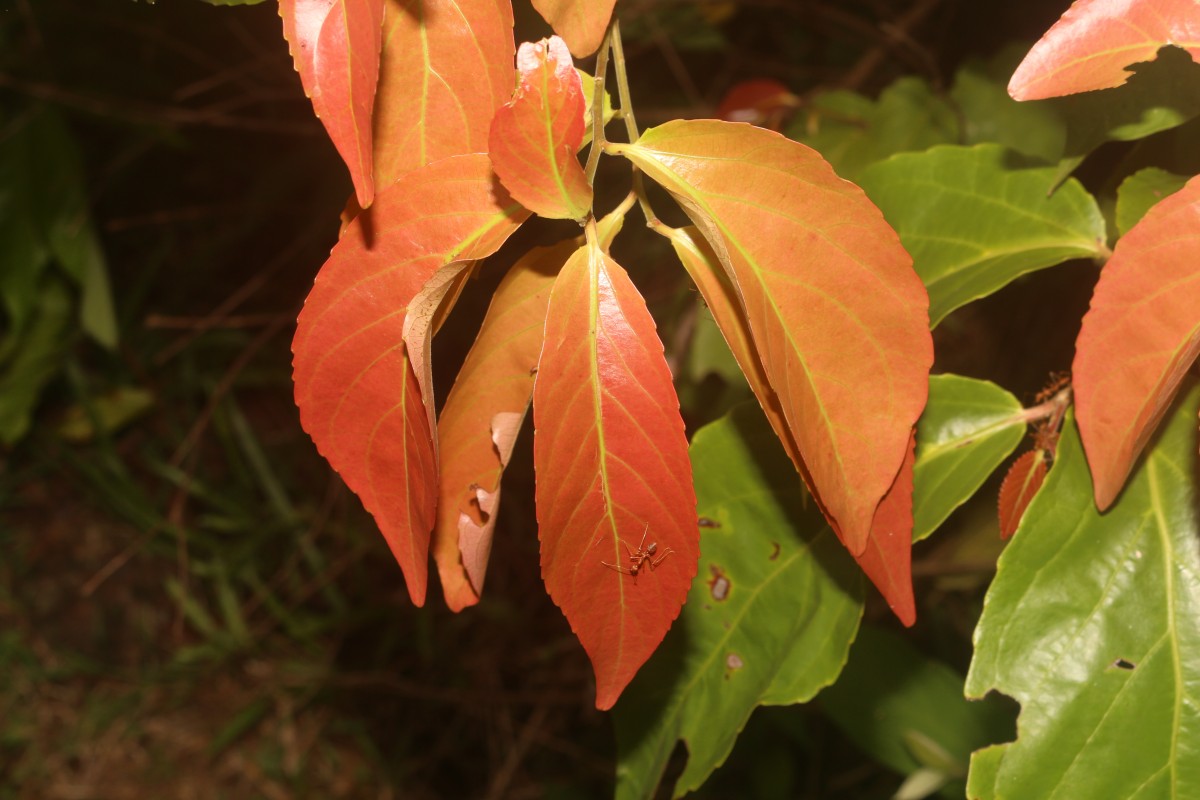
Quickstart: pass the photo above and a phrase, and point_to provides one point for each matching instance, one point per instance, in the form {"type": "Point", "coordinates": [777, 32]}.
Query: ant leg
{"type": "Point", "coordinates": [661, 558]}
{"type": "Point", "coordinates": [620, 569]}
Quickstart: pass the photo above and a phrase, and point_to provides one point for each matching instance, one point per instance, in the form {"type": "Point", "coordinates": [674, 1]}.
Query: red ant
{"type": "Point", "coordinates": [641, 557]}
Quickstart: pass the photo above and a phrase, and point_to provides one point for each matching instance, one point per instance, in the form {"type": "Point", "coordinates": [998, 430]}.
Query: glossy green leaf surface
{"type": "Point", "coordinates": [852, 132]}
{"type": "Point", "coordinates": [1141, 191]}
{"type": "Point", "coordinates": [975, 218]}
{"type": "Point", "coordinates": [769, 619]}
{"type": "Point", "coordinates": [968, 429]}
{"type": "Point", "coordinates": [990, 115]}
{"type": "Point", "coordinates": [903, 707]}
{"type": "Point", "coordinates": [1093, 624]}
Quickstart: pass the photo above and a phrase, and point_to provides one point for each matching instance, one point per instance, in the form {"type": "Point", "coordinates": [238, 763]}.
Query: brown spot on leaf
{"type": "Point", "coordinates": [718, 584]}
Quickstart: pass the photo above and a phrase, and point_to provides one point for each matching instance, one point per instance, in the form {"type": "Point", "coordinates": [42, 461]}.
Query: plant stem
{"type": "Point", "coordinates": [593, 159]}
{"type": "Point", "coordinates": [618, 54]}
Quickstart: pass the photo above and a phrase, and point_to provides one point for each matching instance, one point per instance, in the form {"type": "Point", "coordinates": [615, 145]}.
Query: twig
{"type": "Point", "coordinates": [895, 33]}
{"type": "Point", "coordinates": [154, 115]}
{"type": "Point", "coordinates": [517, 753]}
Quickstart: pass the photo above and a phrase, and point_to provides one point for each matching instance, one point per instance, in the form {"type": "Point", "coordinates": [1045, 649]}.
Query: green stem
{"type": "Point", "coordinates": [618, 53]}
{"type": "Point", "coordinates": [626, 100]}
{"type": "Point", "coordinates": [593, 159]}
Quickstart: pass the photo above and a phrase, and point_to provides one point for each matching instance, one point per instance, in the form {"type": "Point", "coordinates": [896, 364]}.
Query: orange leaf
{"type": "Point", "coordinates": [1095, 40]}
{"type": "Point", "coordinates": [535, 136]}
{"type": "Point", "coordinates": [1022, 482]}
{"type": "Point", "coordinates": [446, 68]}
{"type": "Point", "coordinates": [335, 46]}
{"type": "Point", "coordinates": [358, 396]}
{"type": "Point", "coordinates": [580, 22]}
{"type": "Point", "coordinates": [704, 268]}
{"type": "Point", "coordinates": [836, 312]}
{"type": "Point", "coordinates": [887, 559]}
{"type": "Point", "coordinates": [1139, 337]}
{"type": "Point", "coordinates": [482, 415]}
{"type": "Point", "coordinates": [613, 475]}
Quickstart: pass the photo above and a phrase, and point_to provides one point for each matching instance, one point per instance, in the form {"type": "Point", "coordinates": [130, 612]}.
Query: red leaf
{"type": "Point", "coordinates": [836, 312]}
{"type": "Point", "coordinates": [612, 468]}
{"type": "Point", "coordinates": [335, 46]}
{"type": "Point", "coordinates": [887, 559]}
{"type": "Point", "coordinates": [359, 399]}
{"type": "Point", "coordinates": [446, 68]}
{"type": "Point", "coordinates": [762, 101]}
{"type": "Point", "coordinates": [580, 22]}
{"type": "Point", "coordinates": [1022, 482]}
{"type": "Point", "coordinates": [1139, 337]}
{"type": "Point", "coordinates": [482, 415]}
{"type": "Point", "coordinates": [1095, 40]}
{"type": "Point", "coordinates": [535, 136]}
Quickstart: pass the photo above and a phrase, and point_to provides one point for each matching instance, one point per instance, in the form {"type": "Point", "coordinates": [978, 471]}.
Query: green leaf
{"type": "Point", "coordinates": [990, 115]}
{"type": "Point", "coordinates": [709, 354]}
{"type": "Point", "coordinates": [36, 358]}
{"type": "Point", "coordinates": [969, 427]}
{"type": "Point", "coordinates": [1093, 624]}
{"type": "Point", "coordinates": [768, 621]}
{"type": "Point", "coordinates": [1140, 191]}
{"type": "Point", "coordinates": [852, 132]}
{"type": "Point", "coordinates": [1160, 95]}
{"type": "Point", "coordinates": [974, 219]}
{"type": "Point", "coordinates": [42, 168]}
{"type": "Point", "coordinates": [907, 711]}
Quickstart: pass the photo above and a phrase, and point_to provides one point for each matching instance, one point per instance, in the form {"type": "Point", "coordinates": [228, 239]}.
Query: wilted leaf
{"type": "Point", "coordinates": [974, 219]}
{"type": "Point", "coordinates": [1020, 486]}
{"type": "Point", "coordinates": [969, 427]}
{"type": "Point", "coordinates": [820, 275]}
{"type": "Point", "coordinates": [483, 411]}
{"type": "Point", "coordinates": [612, 471]}
{"type": "Point", "coordinates": [891, 697]}
{"type": "Point", "coordinates": [581, 23]}
{"type": "Point", "coordinates": [358, 396]}
{"type": "Point", "coordinates": [1139, 337]}
{"type": "Point", "coordinates": [1140, 192]}
{"type": "Point", "coordinates": [852, 132]}
{"type": "Point", "coordinates": [335, 46]}
{"type": "Point", "coordinates": [1092, 623]}
{"type": "Point", "coordinates": [1095, 40]}
{"type": "Point", "coordinates": [535, 135]}
{"type": "Point", "coordinates": [769, 619]}
{"type": "Point", "coordinates": [446, 67]}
